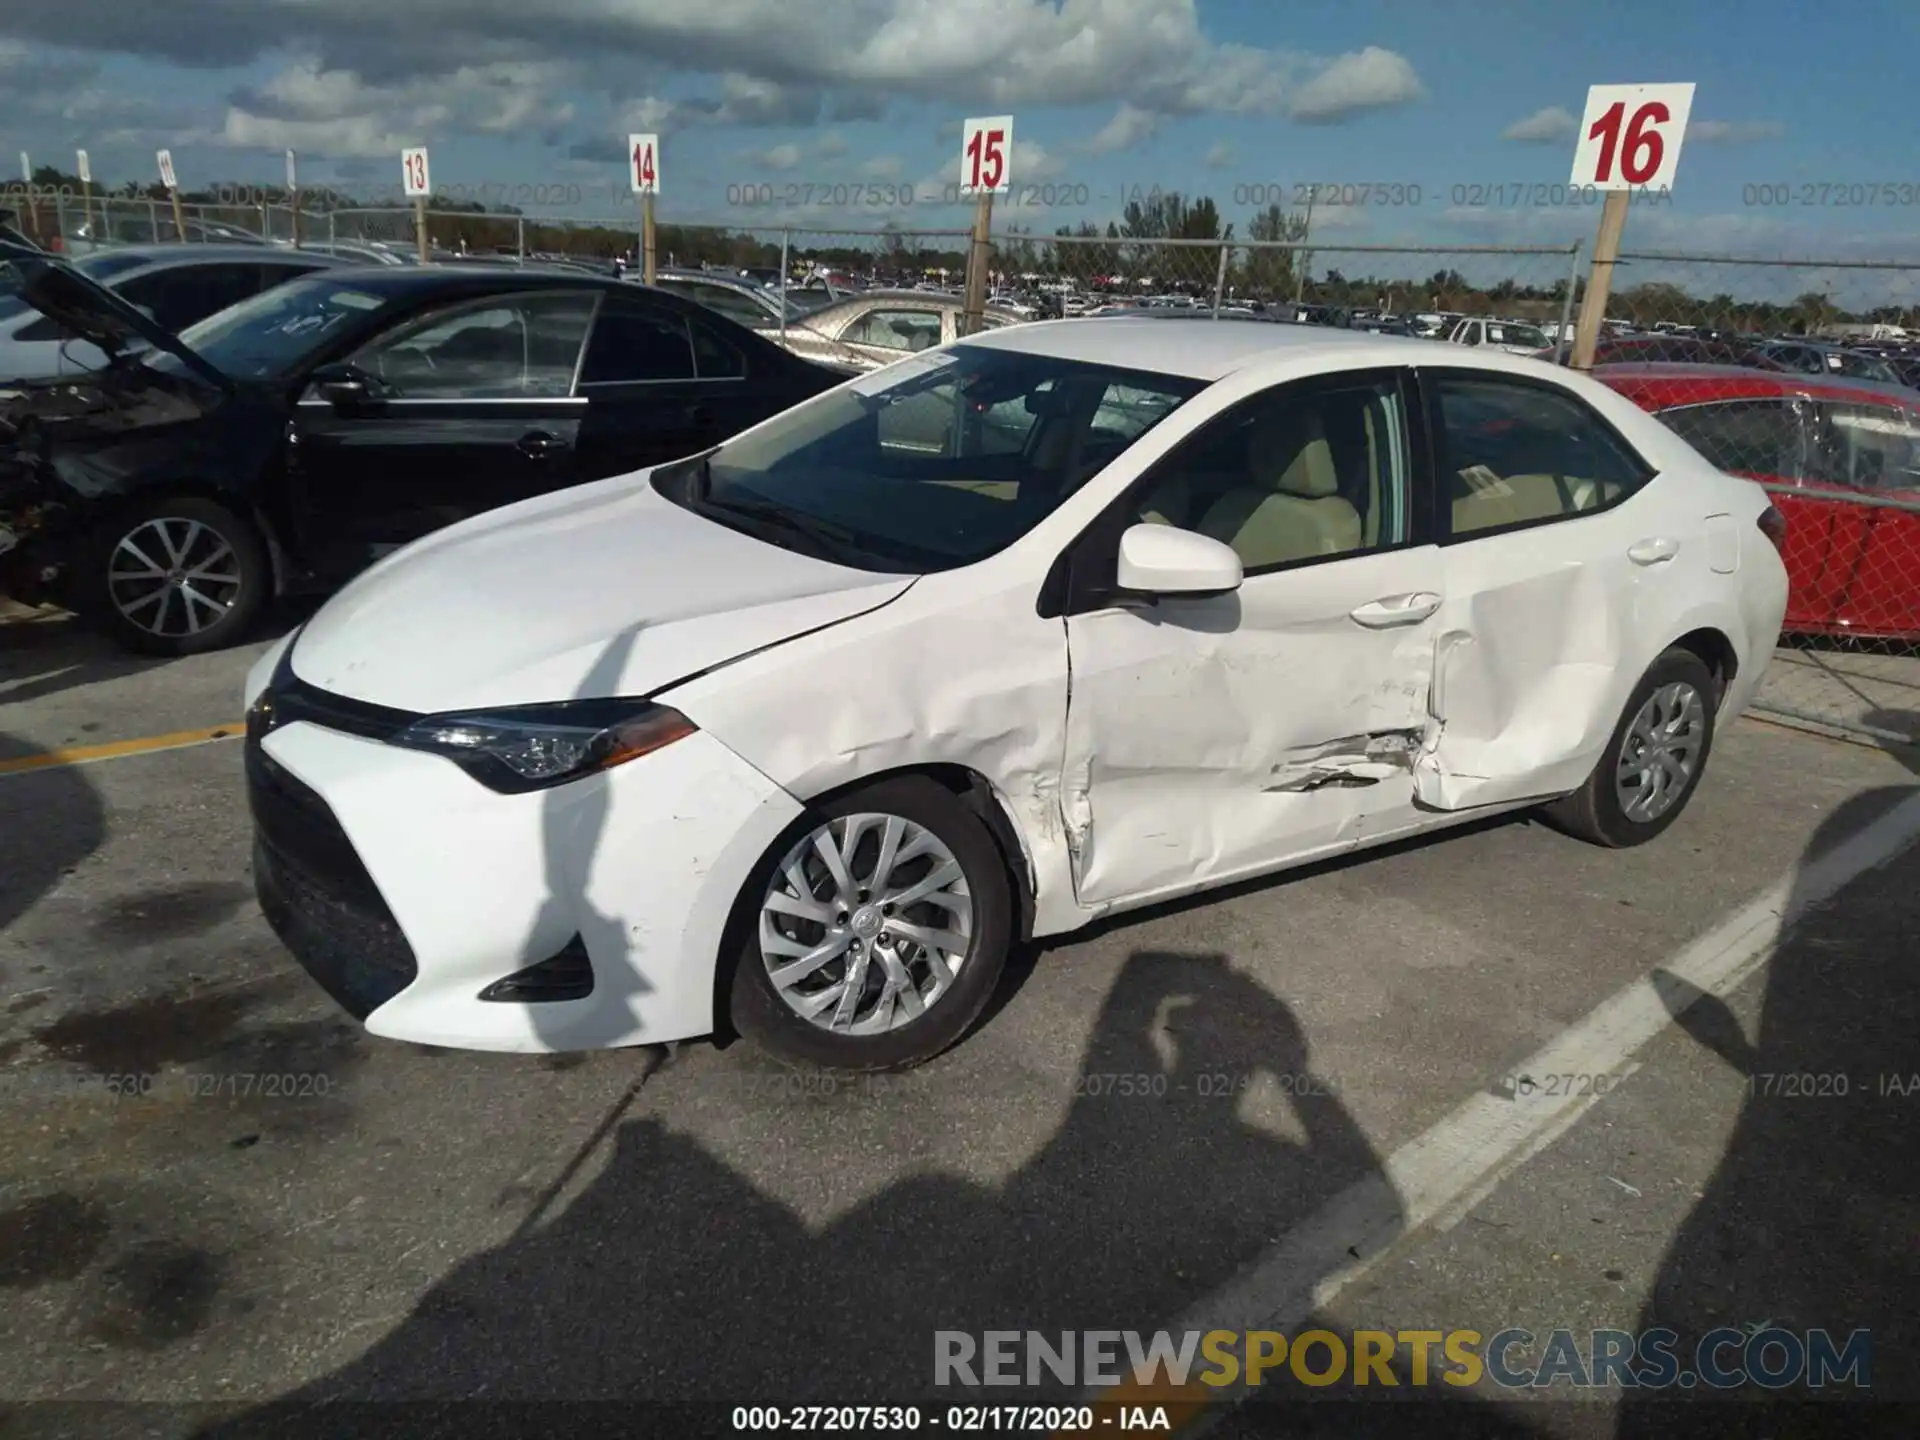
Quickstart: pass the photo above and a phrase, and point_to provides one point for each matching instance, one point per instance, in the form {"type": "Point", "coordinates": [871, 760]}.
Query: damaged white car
{"type": "Point", "coordinates": [799, 736]}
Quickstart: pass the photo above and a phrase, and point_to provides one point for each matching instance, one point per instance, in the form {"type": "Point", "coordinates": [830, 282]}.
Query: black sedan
{"type": "Point", "coordinates": [287, 442]}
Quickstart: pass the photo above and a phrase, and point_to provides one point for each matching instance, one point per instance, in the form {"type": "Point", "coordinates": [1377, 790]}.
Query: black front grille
{"type": "Point", "coordinates": [289, 698]}
{"type": "Point", "coordinates": [317, 895]}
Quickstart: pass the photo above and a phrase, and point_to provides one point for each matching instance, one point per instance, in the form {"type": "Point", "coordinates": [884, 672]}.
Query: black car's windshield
{"type": "Point", "coordinates": [935, 462]}
{"type": "Point", "coordinates": [272, 333]}
{"type": "Point", "coordinates": [1859, 366]}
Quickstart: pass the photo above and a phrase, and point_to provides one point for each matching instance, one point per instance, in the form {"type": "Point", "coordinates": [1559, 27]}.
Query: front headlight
{"type": "Point", "coordinates": [537, 746]}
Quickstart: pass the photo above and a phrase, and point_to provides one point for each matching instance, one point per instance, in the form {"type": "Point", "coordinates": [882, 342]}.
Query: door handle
{"type": "Point", "coordinates": [1656, 551]}
{"type": "Point", "coordinates": [1397, 610]}
{"type": "Point", "coordinates": [538, 444]}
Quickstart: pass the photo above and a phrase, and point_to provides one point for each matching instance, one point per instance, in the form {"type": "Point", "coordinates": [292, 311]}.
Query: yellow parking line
{"type": "Point", "coordinates": [87, 754]}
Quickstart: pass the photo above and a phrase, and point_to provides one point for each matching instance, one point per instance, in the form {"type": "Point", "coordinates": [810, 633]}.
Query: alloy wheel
{"type": "Point", "coordinates": [865, 924]}
{"type": "Point", "coordinates": [173, 577]}
{"type": "Point", "coordinates": [1661, 752]}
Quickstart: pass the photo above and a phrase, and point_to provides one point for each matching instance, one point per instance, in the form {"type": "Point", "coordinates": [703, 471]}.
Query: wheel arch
{"type": "Point", "coordinates": [1715, 651]}
{"type": "Point", "coordinates": [985, 799]}
{"type": "Point", "coordinates": [195, 487]}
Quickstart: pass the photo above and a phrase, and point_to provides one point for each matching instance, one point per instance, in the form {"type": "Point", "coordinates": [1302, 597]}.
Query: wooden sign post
{"type": "Point", "coordinates": [986, 168]}
{"type": "Point", "coordinates": [1629, 140]}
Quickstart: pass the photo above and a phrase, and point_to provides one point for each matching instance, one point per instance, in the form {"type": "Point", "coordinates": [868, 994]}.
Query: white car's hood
{"type": "Point", "coordinates": [602, 590]}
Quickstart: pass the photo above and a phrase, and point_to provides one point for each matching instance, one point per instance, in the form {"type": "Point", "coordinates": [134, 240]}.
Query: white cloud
{"type": "Point", "coordinates": [882, 167]}
{"type": "Point", "coordinates": [1030, 162]}
{"type": "Point", "coordinates": [1219, 155]}
{"type": "Point", "coordinates": [831, 145]}
{"type": "Point", "coordinates": [648, 115]}
{"type": "Point", "coordinates": [1130, 126]}
{"type": "Point", "coordinates": [779, 157]}
{"type": "Point", "coordinates": [1369, 79]}
{"type": "Point", "coordinates": [1552, 125]}
{"type": "Point", "coordinates": [776, 62]}
{"type": "Point", "coordinates": [324, 111]}
{"type": "Point", "coordinates": [1730, 132]}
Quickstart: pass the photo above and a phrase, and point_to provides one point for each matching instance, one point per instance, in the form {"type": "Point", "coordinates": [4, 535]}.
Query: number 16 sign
{"type": "Point", "coordinates": [1630, 137]}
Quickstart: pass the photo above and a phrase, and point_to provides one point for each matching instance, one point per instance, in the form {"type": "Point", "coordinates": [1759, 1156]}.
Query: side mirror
{"type": "Point", "coordinates": [1160, 560]}
{"type": "Point", "coordinates": [343, 386]}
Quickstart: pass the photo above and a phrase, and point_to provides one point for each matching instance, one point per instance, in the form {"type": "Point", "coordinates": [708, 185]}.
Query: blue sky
{"type": "Point", "coordinates": [829, 113]}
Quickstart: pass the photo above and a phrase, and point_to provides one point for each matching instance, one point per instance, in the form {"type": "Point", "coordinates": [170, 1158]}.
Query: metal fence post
{"type": "Point", "coordinates": [60, 217]}
{"type": "Point", "coordinates": [153, 220]}
{"type": "Point", "coordinates": [1566, 307]}
{"type": "Point", "coordinates": [520, 238]}
{"type": "Point", "coordinates": [1220, 278]}
{"type": "Point", "coordinates": [786, 239]}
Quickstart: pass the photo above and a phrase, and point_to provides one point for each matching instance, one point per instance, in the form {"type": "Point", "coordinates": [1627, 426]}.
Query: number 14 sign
{"type": "Point", "coordinates": [1630, 138]}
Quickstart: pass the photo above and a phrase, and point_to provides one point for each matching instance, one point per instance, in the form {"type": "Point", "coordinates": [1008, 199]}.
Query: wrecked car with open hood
{"type": "Point", "coordinates": [290, 440]}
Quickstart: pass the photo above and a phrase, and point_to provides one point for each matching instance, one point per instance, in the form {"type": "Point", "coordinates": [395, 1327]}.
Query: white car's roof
{"type": "Point", "coordinates": [1201, 349]}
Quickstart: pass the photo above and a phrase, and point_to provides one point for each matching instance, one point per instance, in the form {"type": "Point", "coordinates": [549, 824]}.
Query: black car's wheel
{"type": "Point", "coordinates": [177, 577]}
{"type": "Point", "coordinates": [875, 931]}
{"type": "Point", "coordinates": [1653, 763]}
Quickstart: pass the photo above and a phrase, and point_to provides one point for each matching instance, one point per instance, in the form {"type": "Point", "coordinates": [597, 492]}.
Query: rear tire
{"type": "Point", "coordinates": [1653, 764]}
{"type": "Point", "coordinates": [178, 576]}
{"type": "Point", "coordinates": [963, 932]}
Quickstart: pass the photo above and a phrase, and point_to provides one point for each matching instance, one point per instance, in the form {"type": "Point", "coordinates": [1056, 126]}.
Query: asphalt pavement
{"type": "Point", "coordinates": [217, 1190]}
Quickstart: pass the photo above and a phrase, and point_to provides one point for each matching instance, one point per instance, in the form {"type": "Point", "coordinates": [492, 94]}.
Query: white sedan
{"type": "Point", "coordinates": [798, 736]}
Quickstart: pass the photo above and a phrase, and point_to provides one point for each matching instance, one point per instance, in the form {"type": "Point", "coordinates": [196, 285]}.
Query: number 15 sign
{"type": "Point", "coordinates": [1630, 138]}
{"type": "Point", "coordinates": [986, 158]}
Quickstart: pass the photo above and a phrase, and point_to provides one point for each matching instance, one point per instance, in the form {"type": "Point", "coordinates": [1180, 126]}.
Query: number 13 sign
{"type": "Point", "coordinates": [1630, 138]}
{"type": "Point", "coordinates": [414, 173]}
{"type": "Point", "coordinates": [986, 158]}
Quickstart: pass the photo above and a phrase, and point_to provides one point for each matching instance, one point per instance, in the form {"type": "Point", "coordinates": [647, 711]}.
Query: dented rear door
{"type": "Point", "coordinates": [1558, 566]}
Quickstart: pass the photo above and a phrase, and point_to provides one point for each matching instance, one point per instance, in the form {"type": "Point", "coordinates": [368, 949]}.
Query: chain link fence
{"type": "Point", "coordinates": [1813, 391]}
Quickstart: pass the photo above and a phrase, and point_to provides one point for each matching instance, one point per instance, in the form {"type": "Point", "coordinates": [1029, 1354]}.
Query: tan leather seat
{"type": "Point", "coordinates": [1291, 508]}
{"type": "Point", "coordinates": [1168, 502]}
{"type": "Point", "coordinates": [1486, 501]}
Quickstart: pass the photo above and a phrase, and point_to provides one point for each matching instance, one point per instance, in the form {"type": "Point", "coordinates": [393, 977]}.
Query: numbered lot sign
{"type": "Point", "coordinates": [165, 159]}
{"type": "Point", "coordinates": [1630, 137]}
{"type": "Point", "coordinates": [643, 163]}
{"type": "Point", "coordinates": [86, 170]}
{"type": "Point", "coordinates": [986, 155]}
{"type": "Point", "coordinates": [414, 173]}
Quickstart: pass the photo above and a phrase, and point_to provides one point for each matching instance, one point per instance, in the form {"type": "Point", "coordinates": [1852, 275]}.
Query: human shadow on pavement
{"type": "Point", "coordinates": [671, 1278]}
{"type": "Point", "coordinates": [1811, 1218]}
{"type": "Point", "coordinates": [51, 819]}
{"type": "Point", "coordinates": [49, 656]}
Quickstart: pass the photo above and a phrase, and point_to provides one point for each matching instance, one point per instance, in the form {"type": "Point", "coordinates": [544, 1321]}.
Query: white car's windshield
{"type": "Point", "coordinates": [271, 333]}
{"type": "Point", "coordinates": [932, 463]}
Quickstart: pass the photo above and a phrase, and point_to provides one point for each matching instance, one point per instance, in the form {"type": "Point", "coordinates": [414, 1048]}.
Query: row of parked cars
{"type": "Point", "coordinates": [319, 412]}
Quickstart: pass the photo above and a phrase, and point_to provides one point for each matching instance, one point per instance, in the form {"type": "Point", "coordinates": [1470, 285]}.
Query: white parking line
{"type": "Point", "coordinates": [1431, 1181]}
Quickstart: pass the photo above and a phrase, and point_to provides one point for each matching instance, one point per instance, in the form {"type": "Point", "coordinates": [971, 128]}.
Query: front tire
{"type": "Point", "coordinates": [875, 930]}
{"type": "Point", "coordinates": [177, 576]}
{"type": "Point", "coordinates": [1653, 764]}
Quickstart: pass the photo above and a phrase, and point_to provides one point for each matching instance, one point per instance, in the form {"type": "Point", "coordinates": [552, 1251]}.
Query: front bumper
{"type": "Point", "coordinates": [406, 888]}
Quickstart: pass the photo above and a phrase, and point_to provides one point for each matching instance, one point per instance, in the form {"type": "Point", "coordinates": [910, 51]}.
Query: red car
{"type": "Point", "coordinates": [1844, 458]}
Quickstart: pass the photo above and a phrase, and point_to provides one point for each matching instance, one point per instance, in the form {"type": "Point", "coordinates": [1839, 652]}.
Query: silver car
{"type": "Point", "coordinates": [880, 326]}
{"type": "Point", "coordinates": [176, 284]}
